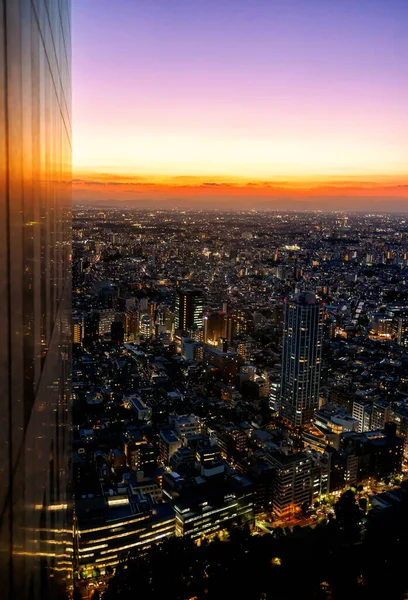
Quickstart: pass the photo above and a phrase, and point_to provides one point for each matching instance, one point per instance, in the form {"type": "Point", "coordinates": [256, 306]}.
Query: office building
{"type": "Point", "coordinates": [205, 508]}
{"type": "Point", "coordinates": [274, 394]}
{"type": "Point", "coordinates": [362, 412]}
{"type": "Point", "coordinates": [140, 455]}
{"type": "Point", "coordinates": [399, 315]}
{"type": "Point", "coordinates": [145, 325]}
{"type": "Point", "coordinates": [343, 469]}
{"type": "Point", "coordinates": [399, 416]}
{"type": "Point", "coordinates": [189, 309]}
{"type": "Point", "coordinates": [106, 318]}
{"type": "Point", "coordinates": [293, 479]}
{"type": "Point", "coordinates": [35, 297]}
{"type": "Point", "coordinates": [262, 473]}
{"type": "Point", "coordinates": [301, 358]}
{"type": "Point", "coordinates": [379, 453]}
{"type": "Point", "coordinates": [131, 324]}
{"type": "Point", "coordinates": [109, 527]}
{"type": "Point", "coordinates": [78, 329]}
{"type": "Point", "coordinates": [227, 363]}
{"type": "Point", "coordinates": [380, 414]}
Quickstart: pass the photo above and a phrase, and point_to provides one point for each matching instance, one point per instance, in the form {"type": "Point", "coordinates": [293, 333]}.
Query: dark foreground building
{"type": "Point", "coordinates": [35, 289]}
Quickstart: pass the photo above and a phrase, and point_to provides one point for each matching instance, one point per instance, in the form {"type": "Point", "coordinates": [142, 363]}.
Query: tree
{"type": "Point", "coordinates": [363, 504]}
{"type": "Point", "coordinates": [374, 567]}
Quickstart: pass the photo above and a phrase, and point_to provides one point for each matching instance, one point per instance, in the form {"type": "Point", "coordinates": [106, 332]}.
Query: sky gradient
{"type": "Point", "coordinates": [287, 104]}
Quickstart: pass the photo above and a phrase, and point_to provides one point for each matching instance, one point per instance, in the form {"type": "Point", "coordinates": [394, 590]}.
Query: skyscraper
{"type": "Point", "coordinates": [301, 358]}
{"type": "Point", "coordinates": [35, 296]}
{"type": "Point", "coordinates": [189, 309]}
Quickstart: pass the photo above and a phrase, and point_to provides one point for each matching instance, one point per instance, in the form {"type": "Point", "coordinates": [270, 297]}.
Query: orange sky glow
{"type": "Point", "coordinates": [244, 105]}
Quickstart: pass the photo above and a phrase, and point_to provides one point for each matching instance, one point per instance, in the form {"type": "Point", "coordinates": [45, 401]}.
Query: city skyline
{"type": "Point", "coordinates": [235, 105]}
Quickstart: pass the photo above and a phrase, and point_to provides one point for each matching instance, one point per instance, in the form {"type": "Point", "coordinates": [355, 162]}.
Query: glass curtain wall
{"type": "Point", "coordinates": [35, 289]}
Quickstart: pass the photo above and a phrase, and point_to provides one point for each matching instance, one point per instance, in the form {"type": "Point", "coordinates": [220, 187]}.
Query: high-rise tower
{"type": "Point", "coordinates": [301, 358]}
{"type": "Point", "coordinates": [189, 309]}
{"type": "Point", "coordinates": [35, 296]}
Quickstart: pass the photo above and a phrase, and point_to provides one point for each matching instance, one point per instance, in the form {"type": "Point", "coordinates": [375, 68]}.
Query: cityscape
{"type": "Point", "coordinates": [212, 389]}
{"type": "Point", "coordinates": [204, 296]}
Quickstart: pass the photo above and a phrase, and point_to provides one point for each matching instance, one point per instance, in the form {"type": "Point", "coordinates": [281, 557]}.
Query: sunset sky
{"type": "Point", "coordinates": [241, 103]}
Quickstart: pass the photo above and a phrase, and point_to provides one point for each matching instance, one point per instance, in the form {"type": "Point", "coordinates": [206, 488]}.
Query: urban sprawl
{"type": "Point", "coordinates": [233, 370]}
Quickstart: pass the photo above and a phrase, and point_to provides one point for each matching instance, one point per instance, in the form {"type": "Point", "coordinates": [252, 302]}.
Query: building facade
{"type": "Point", "coordinates": [293, 482]}
{"type": "Point", "coordinates": [204, 513]}
{"type": "Point", "coordinates": [301, 358]}
{"type": "Point", "coordinates": [104, 534]}
{"type": "Point", "coordinates": [189, 309]}
{"type": "Point", "coordinates": [35, 297]}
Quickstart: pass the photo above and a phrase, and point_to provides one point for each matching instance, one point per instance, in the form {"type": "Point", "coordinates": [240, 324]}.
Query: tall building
{"type": "Point", "coordinates": [399, 315]}
{"type": "Point", "coordinates": [35, 297]}
{"type": "Point", "coordinates": [362, 411]}
{"type": "Point", "coordinates": [78, 328]}
{"type": "Point", "coordinates": [189, 309]}
{"type": "Point", "coordinates": [301, 358]}
{"type": "Point", "coordinates": [131, 324]}
{"type": "Point", "coordinates": [380, 414]}
{"type": "Point", "coordinates": [292, 486]}
{"type": "Point", "coordinates": [217, 325]}
{"type": "Point", "coordinates": [106, 318]}
{"type": "Point", "coordinates": [145, 325]}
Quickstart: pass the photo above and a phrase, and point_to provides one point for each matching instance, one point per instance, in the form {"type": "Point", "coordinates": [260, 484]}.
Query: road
{"type": "Point", "coordinates": [265, 525]}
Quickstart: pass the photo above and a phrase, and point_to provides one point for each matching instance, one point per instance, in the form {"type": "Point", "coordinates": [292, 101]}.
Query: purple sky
{"type": "Point", "coordinates": [256, 89]}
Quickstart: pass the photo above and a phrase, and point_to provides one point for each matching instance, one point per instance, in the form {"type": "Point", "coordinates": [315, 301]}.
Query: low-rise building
{"type": "Point", "coordinates": [206, 508]}
{"type": "Point", "coordinates": [140, 408]}
{"type": "Point", "coordinates": [107, 528]}
{"type": "Point", "coordinates": [187, 426]}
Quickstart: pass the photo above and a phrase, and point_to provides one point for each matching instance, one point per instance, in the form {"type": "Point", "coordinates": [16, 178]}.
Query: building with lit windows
{"type": "Point", "coordinates": [343, 469]}
{"type": "Point", "coordinates": [320, 474]}
{"type": "Point", "coordinates": [142, 411]}
{"type": "Point", "coordinates": [274, 394]}
{"type": "Point", "coordinates": [78, 329]}
{"type": "Point", "coordinates": [380, 414]}
{"type": "Point", "coordinates": [107, 528]}
{"type": "Point", "coordinates": [187, 426]}
{"type": "Point", "coordinates": [399, 416]}
{"type": "Point", "coordinates": [301, 358]}
{"type": "Point", "coordinates": [399, 315]}
{"type": "Point", "coordinates": [362, 411]}
{"type": "Point", "coordinates": [189, 309]}
{"type": "Point", "coordinates": [140, 455]}
{"type": "Point", "coordinates": [293, 482]}
{"type": "Point", "coordinates": [205, 509]}
{"type": "Point", "coordinates": [131, 324]}
{"type": "Point", "coordinates": [35, 297]}
{"type": "Point", "coordinates": [145, 325]}
{"type": "Point", "coordinates": [381, 325]}
{"type": "Point", "coordinates": [379, 453]}
{"type": "Point", "coordinates": [106, 318]}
